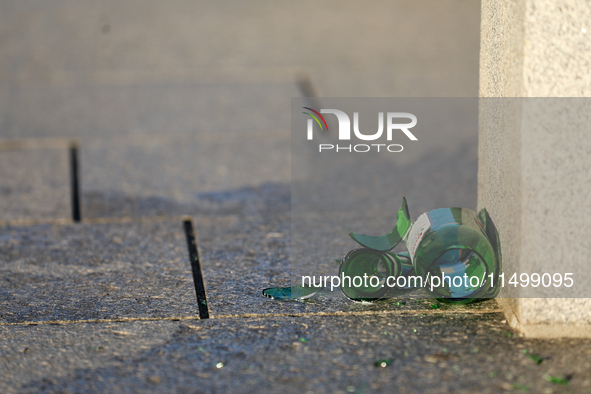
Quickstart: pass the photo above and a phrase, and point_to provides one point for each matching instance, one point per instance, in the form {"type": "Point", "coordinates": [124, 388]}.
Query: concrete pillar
{"type": "Point", "coordinates": [534, 174]}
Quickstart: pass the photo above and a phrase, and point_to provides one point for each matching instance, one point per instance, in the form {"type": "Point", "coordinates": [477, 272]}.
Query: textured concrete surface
{"type": "Point", "coordinates": [150, 110]}
{"type": "Point", "coordinates": [533, 154]}
{"type": "Point", "coordinates": [182, 170]}
{"type": "Point", "coordinates": [501, 48]}
{"type": "Point", "coordinates": [557, 176]}
{"type": "Point", "coordinates": [535, 49]}
{"type": "Point", "coordinates": [422, 352]}
{"type": "Point", "coordinates": [34, 184]}
{"type": "Point", "coordinates": [400, 48]}
{"type": "Point", "coordinates": [80, 272]}
{"type": "Point", "coordinates": [556, 49]}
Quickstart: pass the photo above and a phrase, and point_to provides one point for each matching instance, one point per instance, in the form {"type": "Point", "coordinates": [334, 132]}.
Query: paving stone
{"type": "Point", "coordinates": [165, 143]}
{"type": "Point", "coordinates": [175, 175]}
{"type": "Point", "coordinates": [46, 353]}
{"type": "Point", "coordinates": [34, 184]}
{"type": "Point", "coordinates": [106, 271]}
{"type": "Point", "coordinates": [430, 353]}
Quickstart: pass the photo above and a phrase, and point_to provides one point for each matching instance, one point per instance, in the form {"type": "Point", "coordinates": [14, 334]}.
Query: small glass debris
{"type": "Point", "coordinates": [388, 241]}
{"type": "Point", "coordinates": [556, 379]}
{"type": "Point", "coordinates": [536, 359]}
{"type": "Point", "coordinates": [290, 293]}
{"type": "Point", "coordinates": [383, 363]}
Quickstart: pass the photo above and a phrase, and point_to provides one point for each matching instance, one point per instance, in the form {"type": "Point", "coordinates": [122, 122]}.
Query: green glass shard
{"type": "Point", "coordinates": [290, 293]}
{"type": "Point", "coordinates": [388, 241]}
{"type": "Point", "coordinates": [407, 271]}
{"type": "Point", "coordinates": [383, 363]}
{"type": "Point", "coordinates": [556, 379]}
{"type": "Point", "coordinates": [536, 359]}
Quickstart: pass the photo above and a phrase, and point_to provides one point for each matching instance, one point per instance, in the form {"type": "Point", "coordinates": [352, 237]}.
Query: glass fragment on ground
{"type": "Point", "coordinates": [291, 292]}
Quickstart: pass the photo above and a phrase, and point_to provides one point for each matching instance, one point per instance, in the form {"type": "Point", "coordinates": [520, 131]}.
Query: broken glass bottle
{"type": "Point", "coordinates": [453, 253]}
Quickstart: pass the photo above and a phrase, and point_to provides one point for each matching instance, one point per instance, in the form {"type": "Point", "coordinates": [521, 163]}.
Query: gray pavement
{"type": "Point", "coordinates": [422, 353]}
{"type": "Point", "coordinates": [180, 169]}
{"type": "Point", "coordinates": [151, 109]}
{"type": "Point", "coordinates": [34, 184]}
{"type": "Point", "coordinates": [98, 271]}
{"type": "Point", "coordinates": [181, 111]}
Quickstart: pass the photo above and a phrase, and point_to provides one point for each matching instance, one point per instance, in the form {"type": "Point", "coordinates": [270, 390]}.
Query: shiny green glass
{"type": "Point", "coordinates": [369, 268]}
{"type": "Point", "coordinates": [388, 241]}
{"type": "Point", "coordinates": [460, 251]}
{"type": "Point", "coordinates": [291, 292]}
{"type": "Point", "coordinates": [453, 253]}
